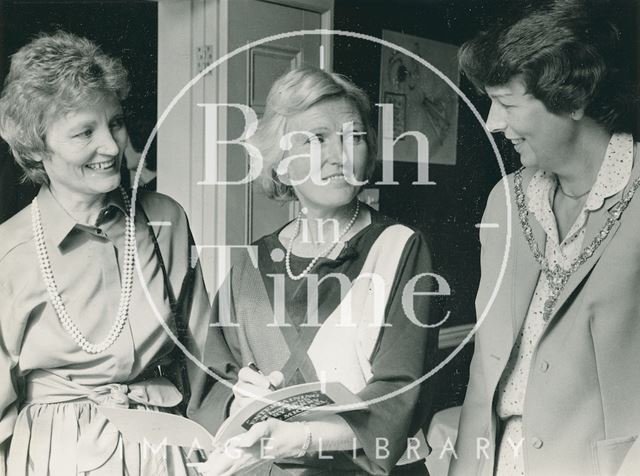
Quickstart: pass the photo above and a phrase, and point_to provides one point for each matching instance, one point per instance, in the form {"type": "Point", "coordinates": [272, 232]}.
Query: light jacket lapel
{"type": "Point", "coordinates": [526, 269]}
{"type": "Point", "coordinates": [527, 273]}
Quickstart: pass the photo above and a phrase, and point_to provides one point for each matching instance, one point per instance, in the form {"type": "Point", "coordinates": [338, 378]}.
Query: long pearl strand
{"type": "Point", "coordinates": [52, 287]}
{"type": "Point", "coordinates": [325, 252]}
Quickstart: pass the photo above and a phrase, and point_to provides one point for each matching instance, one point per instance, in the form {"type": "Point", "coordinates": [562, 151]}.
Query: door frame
{"type": "Point", "coordinates": [183, 27]}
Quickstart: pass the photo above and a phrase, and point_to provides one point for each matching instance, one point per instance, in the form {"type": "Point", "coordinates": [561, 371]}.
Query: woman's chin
{"type": "Point", "coordinates": [338, 198]}
{"type": "Point", "coordinates": [106, 184]}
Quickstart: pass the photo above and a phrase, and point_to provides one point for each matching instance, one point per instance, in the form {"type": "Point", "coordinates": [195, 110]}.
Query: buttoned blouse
{"type": "Point", "coordinates": [87, 262]}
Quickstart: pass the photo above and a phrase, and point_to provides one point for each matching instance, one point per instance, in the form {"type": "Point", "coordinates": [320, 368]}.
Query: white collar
{"type": "Point", "coordinates": [613, 176]}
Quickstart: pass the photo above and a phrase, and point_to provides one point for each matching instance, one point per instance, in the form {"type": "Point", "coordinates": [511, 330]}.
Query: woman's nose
{"type": "Point", "coordinates": [495, 120]}
{"type": "Point", "coordinates": [333, 149]}
{"type": "Point", "coordinates": [108, 144]}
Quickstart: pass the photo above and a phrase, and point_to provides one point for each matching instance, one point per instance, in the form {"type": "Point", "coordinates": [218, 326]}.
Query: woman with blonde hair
{"type": "Point", "coordinates": [318, 148]}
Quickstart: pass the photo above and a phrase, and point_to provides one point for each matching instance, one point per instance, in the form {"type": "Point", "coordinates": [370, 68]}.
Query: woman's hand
{"type": "Point", "coordinates": [264, 442]}
{"type": "Point", "coordinates": [273, 439]}
{"type": "Point", "coordinates": [251, 385]}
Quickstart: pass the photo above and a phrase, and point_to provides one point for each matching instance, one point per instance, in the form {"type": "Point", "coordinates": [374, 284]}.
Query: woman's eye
{"type": "Point", "coordinates": [500, 104]}
{"type": "Point", "coordinates": [358, 137]}
{"type": "Point", "coordinates": [319, 137]}
{"type": "Point", "coordinates": [86, 133]}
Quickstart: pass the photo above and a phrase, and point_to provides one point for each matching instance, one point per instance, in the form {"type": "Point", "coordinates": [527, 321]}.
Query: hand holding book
{"type": "Point", "coordinates": [305, 402]}
{"type": "Point", "coordinates": [283, 440]}
{"type": "Point", "coordinates": [265, 423]}
{"type": "Point", "coordinates": [253, 383]}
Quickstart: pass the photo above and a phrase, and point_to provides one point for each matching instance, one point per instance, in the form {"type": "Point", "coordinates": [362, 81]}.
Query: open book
{"type": "Point", "coordinates": [295, 403]}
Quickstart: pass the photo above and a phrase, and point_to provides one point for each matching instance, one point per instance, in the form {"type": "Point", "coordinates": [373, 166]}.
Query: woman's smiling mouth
{"type": "Point", "coordinates": [105, 165]}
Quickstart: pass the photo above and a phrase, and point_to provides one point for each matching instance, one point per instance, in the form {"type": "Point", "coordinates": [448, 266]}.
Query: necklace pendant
{"type": "Point", "coordinates": [556, 282]}
{"type": "Point", "coordinates": [549, 304]}
{"type": "Point", "coordinates": [557, 278]}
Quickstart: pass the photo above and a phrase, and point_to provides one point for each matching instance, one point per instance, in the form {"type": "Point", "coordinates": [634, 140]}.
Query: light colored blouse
{"type": "Point", "coordinates": [613, 176]}
{"type": "Point", "coordinates": [48, 385]}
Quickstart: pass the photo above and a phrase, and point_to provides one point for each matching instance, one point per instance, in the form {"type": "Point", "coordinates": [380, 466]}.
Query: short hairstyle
{"type": "Point", "coordinates": [567, 54]}
{"type": "Point", "coordinates": [295, 92]}
{"type": "Point", "coordinates": [49, 77]}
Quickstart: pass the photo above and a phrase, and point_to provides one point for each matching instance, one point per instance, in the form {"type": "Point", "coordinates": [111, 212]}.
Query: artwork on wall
{"type": "Point", "coordinates": [422, 101]}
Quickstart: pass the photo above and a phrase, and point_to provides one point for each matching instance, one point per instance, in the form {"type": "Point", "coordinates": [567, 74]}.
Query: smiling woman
{"type": "Point", "coordinates": [556, 355]}
{"type": "Point", "coordinates": [542, 138]}
{"type": "Point", "coordinates": [337, 181]}
{"type": "Point", "coordinates": [76, 329]}
{"type": "Point", "coordinates": [86, 148]}
{"type": "Point", "coordinates": [337, 251]}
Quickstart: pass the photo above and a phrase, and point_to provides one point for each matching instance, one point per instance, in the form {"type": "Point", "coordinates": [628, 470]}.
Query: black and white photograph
{"type": "Point", "coordinates": [319, 237]}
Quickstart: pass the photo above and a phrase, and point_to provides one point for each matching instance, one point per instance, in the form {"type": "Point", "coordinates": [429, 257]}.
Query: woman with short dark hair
{"type": "Point", "coordinates": [554, 381]}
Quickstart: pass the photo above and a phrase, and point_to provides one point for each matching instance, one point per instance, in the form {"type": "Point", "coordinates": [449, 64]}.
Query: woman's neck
{"type": "Point", "coordinates": [324, 225]}
{"type": "Point", "coordinates": [83, 208]}
{"type": "Point", "coordinates": [582, 162]}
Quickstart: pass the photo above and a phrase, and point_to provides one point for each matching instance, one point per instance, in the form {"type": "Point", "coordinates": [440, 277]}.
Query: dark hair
{"type": "Point", "coordinates": [568, 55]}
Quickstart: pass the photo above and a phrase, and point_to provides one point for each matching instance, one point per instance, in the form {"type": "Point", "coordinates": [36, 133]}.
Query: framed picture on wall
{"type": "Point", "coordinates": [399, 102]}
{"type": "Point", "coordinates": [422, 101]}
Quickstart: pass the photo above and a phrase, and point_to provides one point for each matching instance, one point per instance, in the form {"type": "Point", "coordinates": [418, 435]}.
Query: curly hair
{"type": "Point", "coordinates": [568, 56]}
{"type": "Point", "coordinates": [295, 92]}
{"type": "Point", "coordinates": [49, 77]}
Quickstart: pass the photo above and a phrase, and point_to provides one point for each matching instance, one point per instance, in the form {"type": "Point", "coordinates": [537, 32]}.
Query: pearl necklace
{"type": "Point", "coordinates": [323, 253]}
{"type": "Point", "coordinates": [52, 288]}
{"type": "Point", "coordinates": [557, 277]}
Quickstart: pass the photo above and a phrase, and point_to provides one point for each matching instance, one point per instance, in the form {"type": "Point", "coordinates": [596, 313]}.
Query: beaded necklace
{"type": "Point", "coordinates": [52, 288]}
{"type": "Point", "coordinates": [323, 253]}
{"type": "Point", "coordinates": [557, 276]}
